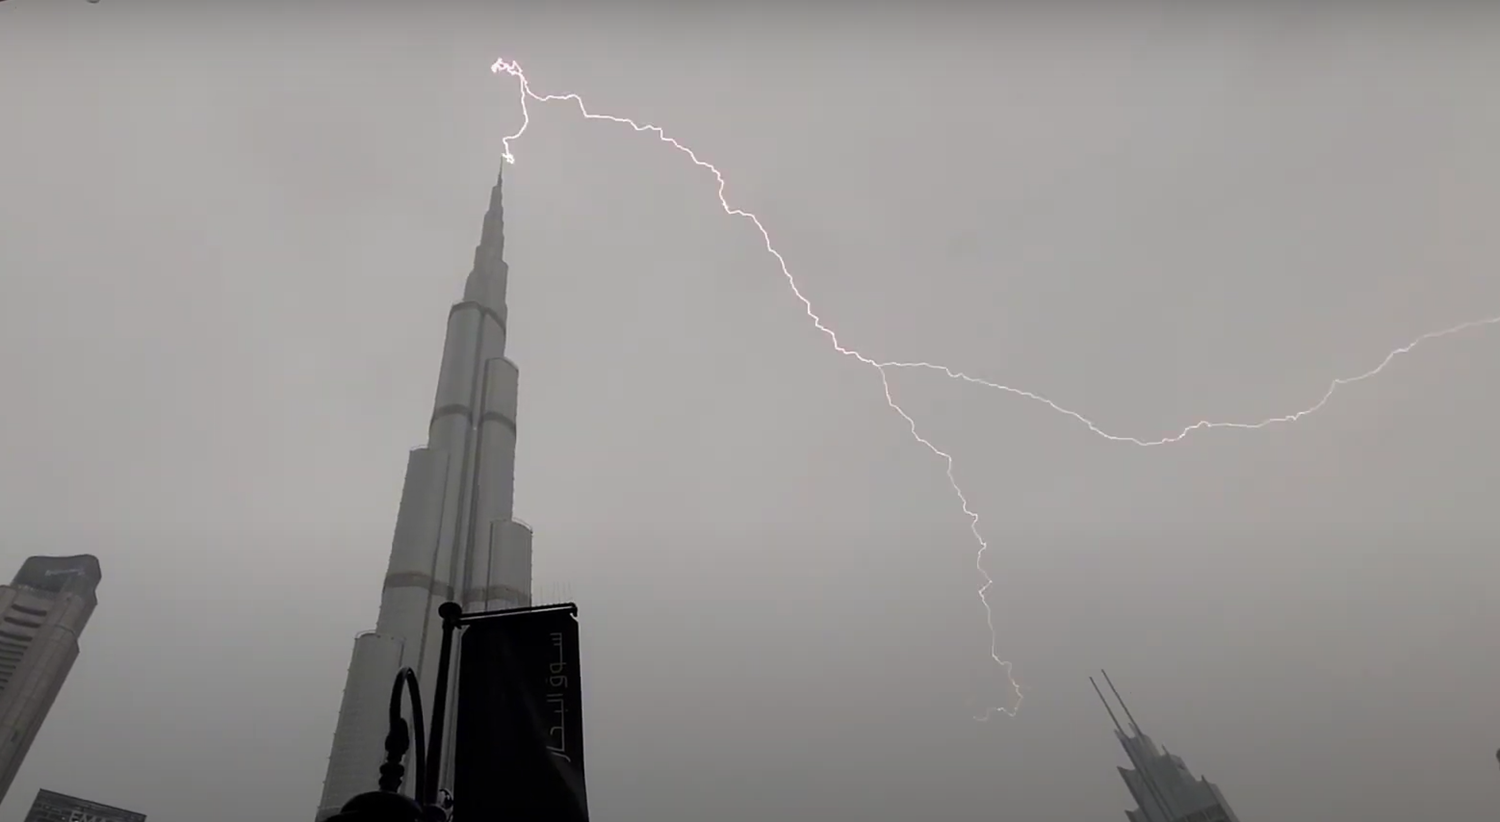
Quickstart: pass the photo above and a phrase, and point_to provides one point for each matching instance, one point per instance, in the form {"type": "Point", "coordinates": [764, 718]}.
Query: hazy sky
{"type": "Point", "coordinates": [230, 233]}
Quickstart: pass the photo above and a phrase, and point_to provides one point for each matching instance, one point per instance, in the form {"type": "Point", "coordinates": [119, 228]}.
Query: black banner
{"type": "Point", "coordinates": [519, 751]}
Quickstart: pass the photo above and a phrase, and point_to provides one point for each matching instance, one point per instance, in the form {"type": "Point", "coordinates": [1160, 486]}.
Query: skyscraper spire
{"type": "Point", "coordinates": [493, 233]}
{"type": "Point", "coordinates": [455, 537]}
{"type": "Point", "coordinates": [1161, 784]}
{"type": "Point", "coordinates": [486, 283]}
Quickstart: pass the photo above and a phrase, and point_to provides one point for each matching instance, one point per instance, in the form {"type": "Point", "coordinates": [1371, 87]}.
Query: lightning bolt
{"type": "Point", "coordinates": [513, 69]}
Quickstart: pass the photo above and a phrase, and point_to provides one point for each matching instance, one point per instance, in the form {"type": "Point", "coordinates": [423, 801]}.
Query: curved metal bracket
{"type": "Point", "coordinates": [398, 738]}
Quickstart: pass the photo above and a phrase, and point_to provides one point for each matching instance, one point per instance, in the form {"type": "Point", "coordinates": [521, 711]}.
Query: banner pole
{"type": "Point", "coordinates": [452, 614]}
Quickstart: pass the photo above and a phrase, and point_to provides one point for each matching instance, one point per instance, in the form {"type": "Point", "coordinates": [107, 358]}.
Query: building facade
{"type": "Point", "coordinates": [42, 613]}
{"type": "Point", "coordinates": [455, 537]}
{"type": "Point", "coordinates": [59, 807]}
{"type": "Point", "coordinates": [1160, 782]}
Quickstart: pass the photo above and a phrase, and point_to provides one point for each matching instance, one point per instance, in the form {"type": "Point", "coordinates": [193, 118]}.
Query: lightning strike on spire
{"type": "Point", "coordinates": [513, 69]}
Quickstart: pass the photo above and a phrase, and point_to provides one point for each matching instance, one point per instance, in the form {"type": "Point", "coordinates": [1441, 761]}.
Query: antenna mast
{"type": "Point", "coordinates": [1121, 700]}
{"type": "Point", "coordinates": [1147, 778]}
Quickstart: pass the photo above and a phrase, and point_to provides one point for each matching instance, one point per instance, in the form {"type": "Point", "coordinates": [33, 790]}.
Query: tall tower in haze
{"type": "Point", "coordinates": [455, 536]}
{"type": "Point", "coordinates": [1160, 782]}
{"type": "Point", "coordinates": [42, 613]}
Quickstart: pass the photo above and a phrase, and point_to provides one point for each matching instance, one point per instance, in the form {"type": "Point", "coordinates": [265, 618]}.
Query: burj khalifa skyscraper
{"type": "Point", "coordinates": [455, 537]}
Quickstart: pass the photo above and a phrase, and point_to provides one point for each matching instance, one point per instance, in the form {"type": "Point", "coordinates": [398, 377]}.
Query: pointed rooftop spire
{"type": "Point", "coordinates": [486, 283]}
{"type": "Point", "coordinates": [494, 219]}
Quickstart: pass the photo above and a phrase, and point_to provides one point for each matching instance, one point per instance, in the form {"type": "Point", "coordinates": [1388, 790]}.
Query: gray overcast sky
{"type": "Point", "coordinates": [229, 235]}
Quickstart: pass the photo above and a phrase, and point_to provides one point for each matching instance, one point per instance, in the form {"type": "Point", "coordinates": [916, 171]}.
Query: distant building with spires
{"type": "Point", "coordinates": [1163, 787]}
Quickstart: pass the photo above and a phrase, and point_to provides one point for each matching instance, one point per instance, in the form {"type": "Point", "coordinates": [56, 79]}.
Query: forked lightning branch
{"type": "Point", "coordinates": [513, 69]}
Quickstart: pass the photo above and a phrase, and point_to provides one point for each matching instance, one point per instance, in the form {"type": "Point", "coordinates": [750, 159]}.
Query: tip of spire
{"type": "Point", "coordinates": [486, 283]}
{"type": "Point", "coordinates": [494, 219]}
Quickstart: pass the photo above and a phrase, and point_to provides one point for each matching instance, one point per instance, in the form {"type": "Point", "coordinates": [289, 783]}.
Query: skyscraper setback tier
{"type": "Point", "coordinates": [42, 613]}
{"type": "Point", "coordinates": [455, 538]}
